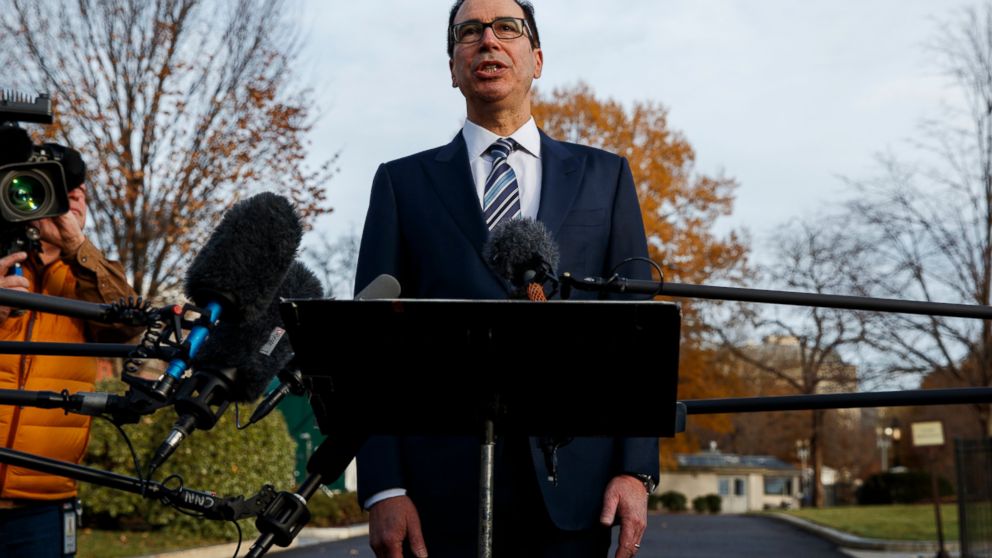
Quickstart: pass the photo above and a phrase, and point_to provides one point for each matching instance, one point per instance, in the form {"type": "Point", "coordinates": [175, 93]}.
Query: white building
{"type": "Point", "coordinates": [744, 482]}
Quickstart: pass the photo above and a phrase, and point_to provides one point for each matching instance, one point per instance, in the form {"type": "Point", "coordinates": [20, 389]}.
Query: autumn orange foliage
{"type": "Point", "coordinates": [179, 109]}
{"type": "Point", "coordinates": [680, 208]}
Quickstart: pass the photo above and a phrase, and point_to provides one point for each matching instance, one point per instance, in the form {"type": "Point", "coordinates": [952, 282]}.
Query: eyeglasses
{"type": "Point", "coordinates": [504, 28]}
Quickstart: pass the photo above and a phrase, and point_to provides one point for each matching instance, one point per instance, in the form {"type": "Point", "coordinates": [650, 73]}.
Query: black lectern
{"type": "Point", "coordinates": [455, 367]}
{"type": "Point", "coordinates": [436, 366]}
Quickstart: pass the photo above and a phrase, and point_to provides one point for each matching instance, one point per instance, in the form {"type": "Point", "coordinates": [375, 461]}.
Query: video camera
{"type": "Point", "coordinates": [34, 179]}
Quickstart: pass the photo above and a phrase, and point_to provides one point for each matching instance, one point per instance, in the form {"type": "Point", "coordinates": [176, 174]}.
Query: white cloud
{"type": "Point", "coordinates": [783, 95]}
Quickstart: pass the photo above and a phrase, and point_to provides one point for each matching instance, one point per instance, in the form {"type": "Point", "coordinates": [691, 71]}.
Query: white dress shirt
{"type": "Point", "coordinates": [525, 161]}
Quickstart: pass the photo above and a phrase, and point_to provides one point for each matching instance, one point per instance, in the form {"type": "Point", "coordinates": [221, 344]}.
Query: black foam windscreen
{"type": "Point", "coordinates": [259, 349]}
{"type": "Point", "coordinates": [518, 246]}
{"type": "Point", "coordinates": [15, 145]}
{"type": "Point", "coordinates": [244, 261]}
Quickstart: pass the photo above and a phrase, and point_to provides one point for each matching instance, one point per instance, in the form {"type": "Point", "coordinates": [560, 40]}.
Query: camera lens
{"type": "Point", "coordinates": [31, 191]}
{"type": "Point", "coordinates": [26, 194]}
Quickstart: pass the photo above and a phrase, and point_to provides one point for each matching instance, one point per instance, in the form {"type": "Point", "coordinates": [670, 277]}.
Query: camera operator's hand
{"type": "Point", "coordinates": [66, 231]}
{"type": "Point", "coordinates": [15, 282]}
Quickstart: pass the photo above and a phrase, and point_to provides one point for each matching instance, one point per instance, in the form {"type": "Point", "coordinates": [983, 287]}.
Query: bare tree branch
{"type": "Point", "coordinates": [180, 107]}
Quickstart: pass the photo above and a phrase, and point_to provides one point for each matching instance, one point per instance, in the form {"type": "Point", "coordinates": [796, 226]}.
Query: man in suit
{"type": "Point", "coordinates": [430, 215]}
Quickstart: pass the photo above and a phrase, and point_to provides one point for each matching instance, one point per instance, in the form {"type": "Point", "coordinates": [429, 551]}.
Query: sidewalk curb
{"type": "Point", "coordinates": [847, 540]}
{"type": "Point", "coordinates": [316, 535]}
{"type": "Point", "coordinates": [308, 536]}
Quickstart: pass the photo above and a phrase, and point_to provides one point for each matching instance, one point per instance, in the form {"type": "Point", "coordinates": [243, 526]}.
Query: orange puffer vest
{"type": "Point", "coordinates": [47, 432]}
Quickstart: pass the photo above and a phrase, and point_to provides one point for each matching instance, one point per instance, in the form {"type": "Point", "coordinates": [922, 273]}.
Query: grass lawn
{"type": "Point", "coordinates": [336, 511]}
{"type": "Point", "coordinates": [903, 522]}
{"type": "Point", "coordinates": [93, 543]}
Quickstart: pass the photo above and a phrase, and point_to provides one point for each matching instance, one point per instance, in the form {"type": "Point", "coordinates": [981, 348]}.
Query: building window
{"type": "Point", "coordinates": [724, 487]}
{"type": "Point", "coordinates": [778, 486]}
{"type": "Point", "coordinates": [738, 487]}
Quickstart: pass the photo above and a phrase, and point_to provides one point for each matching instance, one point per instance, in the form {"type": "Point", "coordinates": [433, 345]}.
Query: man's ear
{"type": "Point", "coordinates": [538, 62]}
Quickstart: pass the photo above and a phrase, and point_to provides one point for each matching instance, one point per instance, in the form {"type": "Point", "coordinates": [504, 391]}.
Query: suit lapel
{"type": "Point", "coordinates": [451, 178]}
{"type": "Point", "coordinates": [561, 175]}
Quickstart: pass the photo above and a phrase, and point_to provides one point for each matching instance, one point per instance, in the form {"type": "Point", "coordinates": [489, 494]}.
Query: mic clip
{"type": "Point", "coordinates": [200, 403]}
{"type": "Point", "coordinates": [291, 381]}
{"type": "Point", "coordinates": [187, 347]}
{"type": "Point", "coordinates": [134, 312]}
{"type": "Point", "coordinates": [212, 506]}
{"type": "Point", "coordinates": [284, 518]}
{"type": "Point", "coordinates": [539, 274]}
{"type": "Point", "coordinates": [550, 445]}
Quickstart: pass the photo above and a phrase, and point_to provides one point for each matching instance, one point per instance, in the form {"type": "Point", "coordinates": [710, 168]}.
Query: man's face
{"type": "Point", "coordinates": [77, 204]}
{"type": "Point", "coordinates": [494, 72]}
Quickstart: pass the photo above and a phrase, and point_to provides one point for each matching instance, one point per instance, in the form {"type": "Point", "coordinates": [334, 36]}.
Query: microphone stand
{"type": "Point", "coordinates": [103, 350]}
{"type": "Point", "coordinates": [120, 409]}
{"type": "Point", "coordinates": [288, 514]}
{"type": "Point", "coordinates": [209, 505]}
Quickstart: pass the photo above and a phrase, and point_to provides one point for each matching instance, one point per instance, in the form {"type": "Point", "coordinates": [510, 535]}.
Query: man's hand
{"type": "Point", "coordinates": [625, 496]}
{"type": "Point", "coordinates": [66, 230]}
{"type": "Point", "coordinates": [393, 521]}
{"type": "Point", "coordinates": [15, 282]}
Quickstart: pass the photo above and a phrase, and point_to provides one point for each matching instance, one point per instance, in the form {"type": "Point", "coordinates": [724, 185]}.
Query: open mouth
{"type": "Point", "coordinates": [489, 69]}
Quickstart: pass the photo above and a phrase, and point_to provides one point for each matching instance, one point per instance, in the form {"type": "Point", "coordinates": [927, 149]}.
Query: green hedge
{"type": "Point", "coordinates": [711, 503]}
{"type": "Point", "coordinates": [671, 500]}
{"type": "Point", "coordinates": [909, 487]}
{"type": "Point", "coordinates": [699, 504]}
{"type": "Point", "coordinates": [222, 460]}
{"type": "Point", "coordinates": [335, 510]}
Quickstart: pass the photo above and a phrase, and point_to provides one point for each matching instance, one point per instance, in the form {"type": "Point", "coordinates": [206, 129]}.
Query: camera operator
{"type": "Point", "coordinates": [38, 512]}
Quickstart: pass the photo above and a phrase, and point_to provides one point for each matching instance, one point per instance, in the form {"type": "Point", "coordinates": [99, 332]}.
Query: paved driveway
{"type": "Point", "coordinates": [677, 536]}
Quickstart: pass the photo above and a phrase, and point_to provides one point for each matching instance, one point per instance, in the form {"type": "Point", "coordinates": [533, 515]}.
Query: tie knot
{"type": "Point", "coordinates": [501, 148]}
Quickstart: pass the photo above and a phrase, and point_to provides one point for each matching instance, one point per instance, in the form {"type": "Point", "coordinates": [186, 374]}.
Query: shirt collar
{"type": "Point", "coordinates": [478, 139]}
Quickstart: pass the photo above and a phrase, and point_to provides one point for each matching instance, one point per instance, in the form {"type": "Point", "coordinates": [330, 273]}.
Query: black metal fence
{"type": "Point", "coordinates": [974, 470]}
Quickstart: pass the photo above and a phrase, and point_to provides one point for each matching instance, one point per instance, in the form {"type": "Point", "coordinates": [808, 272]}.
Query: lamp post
{"type": "Point", "coordinates": [885, 436]}
{"type": "Point", "coordinates": [802, 451]}
{"type": "Point", "coordinates": [896, 434]}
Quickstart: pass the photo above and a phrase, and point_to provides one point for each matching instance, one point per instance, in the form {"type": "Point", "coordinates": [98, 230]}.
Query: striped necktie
{"type": "Point", "coordinates": [501, 197]}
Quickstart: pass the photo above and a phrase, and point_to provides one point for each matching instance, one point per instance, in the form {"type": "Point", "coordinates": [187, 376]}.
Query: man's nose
{"type": "Point", "coordinates": [489, 38]}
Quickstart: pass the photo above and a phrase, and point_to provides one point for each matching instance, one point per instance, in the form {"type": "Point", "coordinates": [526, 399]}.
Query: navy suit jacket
{"type": "Point", "coordinates": [425, 227]}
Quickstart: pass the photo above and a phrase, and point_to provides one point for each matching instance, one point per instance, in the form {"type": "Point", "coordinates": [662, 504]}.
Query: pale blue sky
{"type": "Point", "coordinates": [785, 96]}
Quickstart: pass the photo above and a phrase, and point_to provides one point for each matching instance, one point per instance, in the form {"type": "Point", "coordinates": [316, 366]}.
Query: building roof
{"type": "Point", "coordinates": [718, 460]}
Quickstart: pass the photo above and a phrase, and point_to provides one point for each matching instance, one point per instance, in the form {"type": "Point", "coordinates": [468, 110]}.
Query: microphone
{"type": "Point", "coordinates": [238, 271]}
{"type": "Point", "coordinates": [236, 364]}
{"type": "Point", "coordinates": [523, 252]}
{"type": "Point", "coordinates": [383, 286]}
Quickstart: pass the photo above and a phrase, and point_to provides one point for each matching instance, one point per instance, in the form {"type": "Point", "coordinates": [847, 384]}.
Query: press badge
{"type": "Point", "coordinates": [69, 528]}
{"type": "Point", "coordinates": [274, 337]}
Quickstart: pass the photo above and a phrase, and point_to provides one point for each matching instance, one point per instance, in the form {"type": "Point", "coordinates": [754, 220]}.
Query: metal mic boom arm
{"type": "Point", "coordinates": [208, 504]}
{"type": "Point", "coordinates": [617, 284]}
{"type": "Point", "coordinates": [120, 409]}
{"type": "Point", "coordinates": [125, 311]}
{"type": "Point", "coordinates": [105, 350]}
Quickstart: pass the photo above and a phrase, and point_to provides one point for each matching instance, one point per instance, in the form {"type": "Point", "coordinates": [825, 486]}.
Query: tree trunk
{"type": "Point", "coordinates": [816, 455]}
